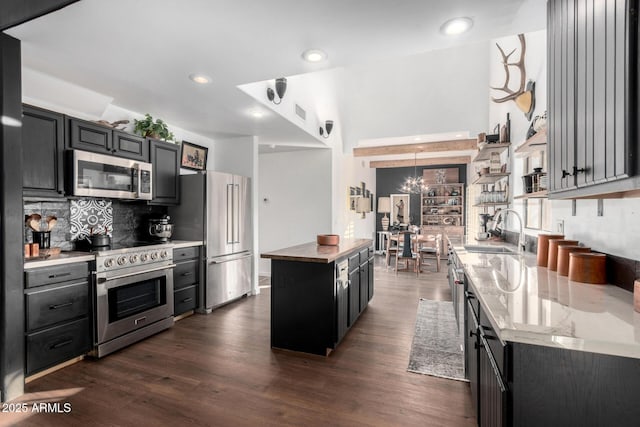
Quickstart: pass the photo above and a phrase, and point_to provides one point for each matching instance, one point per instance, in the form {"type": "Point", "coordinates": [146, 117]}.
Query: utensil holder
{"type": "Point", "coordinates": [42, 238]}
{"type": "Point", "coordinates": [588, 268]}
{"type": "Point", "coordinates": [552, 259]}
{"type": "Point", "coordinates": [543, 247]}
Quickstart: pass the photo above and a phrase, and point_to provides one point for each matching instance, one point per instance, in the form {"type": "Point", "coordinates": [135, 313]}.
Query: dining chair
{"type": "Point", "coordinates": [407, 253]}
{"type": "Point", "coordinates": [392, 249]}
{"type": "Point", "coordinates": [429, 248]}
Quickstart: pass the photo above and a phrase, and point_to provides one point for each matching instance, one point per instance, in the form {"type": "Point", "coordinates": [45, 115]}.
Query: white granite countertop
{"type": "Point", "coordinates": [60, 259]}
{"type": "Point", "coordinates": [533, 305]}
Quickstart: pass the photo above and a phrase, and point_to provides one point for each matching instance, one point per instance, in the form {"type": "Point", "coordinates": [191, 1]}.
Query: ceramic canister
{"type": "Point", "coordinates": [563, 257]}
{"type": "Point", "coordinates": [588, 268]}
{"type": "Point", "coordinates": [543, 247]}
{"type": "Point", "coordinates": [552, 259]}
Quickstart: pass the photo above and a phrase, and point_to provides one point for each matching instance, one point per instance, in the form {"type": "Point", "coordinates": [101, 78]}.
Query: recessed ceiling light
{"type": "Point", "coordinates": [456, 26]}
{"type": "Point", "coordinates": [314, 55]}
{"type": "Point", "coordinates": [257, 114]}
{"type": "Point", "coordinates": [200, 78]}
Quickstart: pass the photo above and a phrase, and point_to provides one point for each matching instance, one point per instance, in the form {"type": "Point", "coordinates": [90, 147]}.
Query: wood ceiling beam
{"type": "Point", "coordinates": [425, 147]}
{"type": "Point", "coordinates": [454, 160]}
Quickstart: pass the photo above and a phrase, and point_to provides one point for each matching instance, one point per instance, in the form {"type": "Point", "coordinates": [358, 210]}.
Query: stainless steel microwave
{"type": "Point", "coordinates": [100, 175]}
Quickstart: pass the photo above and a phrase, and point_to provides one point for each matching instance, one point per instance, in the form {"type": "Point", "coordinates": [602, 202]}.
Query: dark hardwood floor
{"type": "Point", "coordinates": [219, 370]}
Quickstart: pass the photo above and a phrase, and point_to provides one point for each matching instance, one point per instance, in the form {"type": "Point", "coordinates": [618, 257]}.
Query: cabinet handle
{"type": "Point", "coordinates": [473, 334]}
{"type": "Point", "coordinates": [469, 295]}
{"type": "Point", "coordinates": [140, 320]}
{"type": "Point", "coordinates": [57, 306]}
{"type": "Point", "coordinates": [60, 344]}
{"type": "Point", "coordinates": [188, 273]}
{"type": "Point", "coordinates": [53, 276]}
{"type": "Point", "coordinates": [189, 299]}
{"type": "Point", "coordinates": [576, 171]}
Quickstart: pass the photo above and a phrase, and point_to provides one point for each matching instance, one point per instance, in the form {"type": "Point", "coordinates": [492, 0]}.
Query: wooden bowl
{"type": "Point", "coordinates": [328, 239]}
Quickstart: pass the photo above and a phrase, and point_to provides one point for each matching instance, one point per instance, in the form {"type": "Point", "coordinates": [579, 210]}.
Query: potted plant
{"type": "Point", "coordinates": [148, 128]}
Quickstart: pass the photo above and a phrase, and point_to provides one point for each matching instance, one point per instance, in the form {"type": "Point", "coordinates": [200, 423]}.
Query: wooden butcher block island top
{"type": "Point", "coordinates": [312, 252]}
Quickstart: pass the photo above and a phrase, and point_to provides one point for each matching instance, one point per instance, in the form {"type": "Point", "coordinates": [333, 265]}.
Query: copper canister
{"type": "Point", "coordinates": [563, 257]}
{"type": "Point", "coordinates": [588, 268]}
{"type": "Point", "coordinates": [552, 259]}
{"type": "Point", "coordinates": [543, 247]}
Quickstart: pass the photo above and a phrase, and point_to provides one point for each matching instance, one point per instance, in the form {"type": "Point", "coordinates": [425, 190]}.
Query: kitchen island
{"type": "Point", "coordinates": [318, 292]}
{"type": "Point", "coordinates": [543, 350]}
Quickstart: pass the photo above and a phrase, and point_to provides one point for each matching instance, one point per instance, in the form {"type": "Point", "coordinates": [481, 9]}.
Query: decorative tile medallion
{"type": "Point", "coordinates": [91, 216]}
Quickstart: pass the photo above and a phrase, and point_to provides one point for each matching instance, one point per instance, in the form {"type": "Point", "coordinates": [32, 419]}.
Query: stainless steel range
{"type": "Point", "coordinates": [134, 294]}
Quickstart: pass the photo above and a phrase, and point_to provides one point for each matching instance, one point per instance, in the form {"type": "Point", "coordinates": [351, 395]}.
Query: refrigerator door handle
{"type": "Point", "coordinates": [236, 210]}
{"type": "Point", "coordinates": [230, 215]}
{"type": "Point", "coordinates": [231, 258]}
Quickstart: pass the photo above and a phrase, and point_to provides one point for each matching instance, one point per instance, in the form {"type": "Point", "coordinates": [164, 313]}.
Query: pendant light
{"type": "Point", "coordinates": [414, 184]}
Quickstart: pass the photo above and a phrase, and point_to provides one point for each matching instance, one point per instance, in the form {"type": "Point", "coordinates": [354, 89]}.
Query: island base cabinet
{"type": "Point", "coordinates": [303, 314]}
{"type": "Point", "coordinates": [492, 393]}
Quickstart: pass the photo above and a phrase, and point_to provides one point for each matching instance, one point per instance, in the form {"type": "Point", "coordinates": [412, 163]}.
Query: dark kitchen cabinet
{"type": "Point", "coordinates": [130, 146]}
{"type": "Point", "coordinates": [311, 308]}
{"type": "Point", "coordinates": [57, 315]}
{"type": "Point", "coordinates": [364, 284]}
{"type": "Point", "coordinates": [186, 279]}
{"type": "Point", "coordinates": [165, 158]}
{"type": "Point", "coordinates": [592, 80]}
{"type": "Point", "coordinates": [370, 276]}
{"type": "Point", "coordinates": [484, 361]}
{"type": "Point", "coordinates": [42, 152]}
{"type": "Point", "coordinates": [354, 288]}
{"type": "Point", "coordinates": [88, 136]}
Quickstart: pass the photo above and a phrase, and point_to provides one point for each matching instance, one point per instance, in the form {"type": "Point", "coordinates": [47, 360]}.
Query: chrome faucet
{"type": "Point", "coordinates": [521, 239]}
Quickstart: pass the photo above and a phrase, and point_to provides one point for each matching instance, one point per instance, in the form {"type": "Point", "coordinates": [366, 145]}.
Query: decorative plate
{"type": "Point", "coordinates": [447, 220]}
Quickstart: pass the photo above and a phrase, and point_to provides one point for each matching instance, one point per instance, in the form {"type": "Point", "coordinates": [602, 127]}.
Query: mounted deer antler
{"type": "Point", "coordinates": [512, 95]}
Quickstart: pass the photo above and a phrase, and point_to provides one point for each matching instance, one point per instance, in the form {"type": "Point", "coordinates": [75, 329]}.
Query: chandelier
{"type": "Point", "coordinates": [414, 184]}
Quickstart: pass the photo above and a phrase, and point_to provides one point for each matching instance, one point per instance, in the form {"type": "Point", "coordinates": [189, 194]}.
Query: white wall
{"type": "Point", "coordinates": [535, 66]}
{"type": "Point", "coordinates": [294, 199]}
{"type": "Point", "coordinates": [434, 92]}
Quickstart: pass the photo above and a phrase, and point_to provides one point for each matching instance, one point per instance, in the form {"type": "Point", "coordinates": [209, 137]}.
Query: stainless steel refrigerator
{"type": "Point", "coordinates": [215, 207]}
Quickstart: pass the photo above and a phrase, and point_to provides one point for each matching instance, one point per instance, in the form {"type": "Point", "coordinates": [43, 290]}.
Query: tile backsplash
{"type": "Point", "coordinates": [125, 221]}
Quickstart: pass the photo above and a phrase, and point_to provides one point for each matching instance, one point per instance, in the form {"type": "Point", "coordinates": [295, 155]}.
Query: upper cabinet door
{"type": "Point", "coordinates": [165, 158]}
{"type": "Point", "coordinates": [42, 152]}
{"type": "Point", "coordinates": [130, 146]}
{"type": "Point", "coordinates": [83, 135]}
{"type": "Point", "coordinates": [592, 54]}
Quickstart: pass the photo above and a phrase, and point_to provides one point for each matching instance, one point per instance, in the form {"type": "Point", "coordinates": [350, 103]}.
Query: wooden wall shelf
{"type": "Point", "coordinates": [537, 142]}
{"type": "Point", "coordinates": [485, 150]}
{"type": "Point", "coordinates": [491, 178]}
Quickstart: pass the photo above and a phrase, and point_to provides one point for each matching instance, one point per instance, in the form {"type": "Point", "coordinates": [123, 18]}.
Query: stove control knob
{"type": "Point", "coordinates": [164, 254]}
{"type": "Point", "coordinates": [108, 262]}
{"type": "Point", "coordinates": [144, 257]}
{"type": "Point", "coordinates": [133, 259]}
{"type": "Point", "coordinates": [154, 255]}
{"type": "Point", "coordinates": [122, 260]}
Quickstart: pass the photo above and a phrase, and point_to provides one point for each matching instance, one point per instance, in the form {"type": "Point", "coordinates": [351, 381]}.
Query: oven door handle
{"type": "Point", "coordinates": [123, 276]}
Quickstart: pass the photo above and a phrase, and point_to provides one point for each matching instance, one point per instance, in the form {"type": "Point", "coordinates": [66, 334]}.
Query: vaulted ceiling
{"type": "Point", "coordinates": [141, 52]}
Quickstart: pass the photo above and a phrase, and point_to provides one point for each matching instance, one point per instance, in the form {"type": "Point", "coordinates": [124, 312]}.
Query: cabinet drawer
{"type": "Point", "coordinates": [55, 345]}
{"type": "Point", "coordinates": [185, 274]}
{"type": "Point", "coordinates": [364, 255]}
{"type": "Point", "coordinates": [50, 305]}
{"type": "Point", "coordinates": [57, 274]}
{"type": "Point", "coordinates": [185, 253]}
{"type": "Point", "coordinates": [354, 261]}
{"type": "Point", "coordinates": [185, 300]}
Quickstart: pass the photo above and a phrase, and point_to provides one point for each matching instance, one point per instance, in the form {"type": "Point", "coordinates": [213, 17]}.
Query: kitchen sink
{"type": "Point", "coordinates": [488, 249]}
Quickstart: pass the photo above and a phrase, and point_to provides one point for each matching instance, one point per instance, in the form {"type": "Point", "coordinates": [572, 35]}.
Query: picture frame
{"type": "Point", "coordinates": [193, 156]}
{"type": "Point", "coordinates": [397, 217]}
